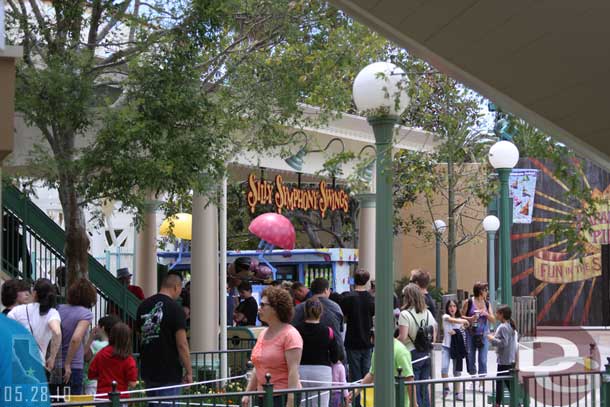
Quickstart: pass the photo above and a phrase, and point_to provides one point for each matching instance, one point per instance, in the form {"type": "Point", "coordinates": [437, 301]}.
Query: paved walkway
{"type": "Point", "coordinates": [529, 353]}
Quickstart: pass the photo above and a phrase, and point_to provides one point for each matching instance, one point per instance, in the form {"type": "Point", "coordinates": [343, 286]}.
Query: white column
{"type": "Point", "coordinates": [222, 292]}
{"type": "Point", "coordinates": [366, 233]}
{"type": "Point", "coordinates": [146, 251]}
{"type": "Point", "coordinates": [204, 276]}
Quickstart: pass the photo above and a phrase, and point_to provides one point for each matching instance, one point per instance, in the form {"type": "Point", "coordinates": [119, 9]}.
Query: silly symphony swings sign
{"type": "Point", "coordinates": [284, 197]}
{"type": "Point", "coordinates": [558, 268]}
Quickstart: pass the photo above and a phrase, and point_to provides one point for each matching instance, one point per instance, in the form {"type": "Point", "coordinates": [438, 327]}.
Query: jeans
{"type": "Point", "coordinates": [473, 351]}
{"type": "Point", "coordinates": [422, 370]}
{"type": "Point", "coordinates": [500, 383]}
{"type": "Point", "coordinates": [74, 386]}
{"type": "Point", "coordinates": [359, 363]}
{"type": "Point", "coordinates": [161, 393]}
{"type": "Point", "coordinates": [446, 359]}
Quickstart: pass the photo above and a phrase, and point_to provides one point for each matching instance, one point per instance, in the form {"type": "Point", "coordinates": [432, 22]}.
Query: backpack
{"type": "Point", "coordinates": [425, 335]}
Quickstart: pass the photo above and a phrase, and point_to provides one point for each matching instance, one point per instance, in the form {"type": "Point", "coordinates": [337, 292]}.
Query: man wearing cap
{"type": "Point", "coordinates": [124, 276]}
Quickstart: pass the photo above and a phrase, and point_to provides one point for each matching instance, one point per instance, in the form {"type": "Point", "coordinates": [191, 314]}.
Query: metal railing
{"type": "Point", "coordinates": [33, 248]}
{"type": "Point", "coordinates": [580, 389]}
{"type": "Point", "coordinates": [206, 365]}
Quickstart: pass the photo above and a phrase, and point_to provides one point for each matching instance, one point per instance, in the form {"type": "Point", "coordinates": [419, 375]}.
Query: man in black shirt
{"type": "Point", "coordinates": [164, 349]}
{"type": "Point", "coordinates": [358, 308]}
{"type": "Point", "coordinates": [246, 311]}
{"type": "Point", "coordinates": [422, 278]}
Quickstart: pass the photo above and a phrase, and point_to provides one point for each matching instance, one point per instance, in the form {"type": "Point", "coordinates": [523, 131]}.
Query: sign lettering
{"type": "Point", "coordinates": [567, 271]}
{"type": "Point", "coordinates": [286, 197]}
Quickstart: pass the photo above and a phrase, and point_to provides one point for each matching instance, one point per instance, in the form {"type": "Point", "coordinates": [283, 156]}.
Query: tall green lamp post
{"type": "Point", "coordinates": [491, 224]}
{"type": "Point", "coordinates": [379, 92]}
{"type": "Point", "coordinates": [439, 229]}
{"type": "Point", "coordinates": [503, 156]}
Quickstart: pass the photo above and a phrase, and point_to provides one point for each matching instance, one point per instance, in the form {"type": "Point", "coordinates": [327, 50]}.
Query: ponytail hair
{"type": "Point", "coordinates": [45, 295]}
{"type": "Point", "coordinates": [507, 314]}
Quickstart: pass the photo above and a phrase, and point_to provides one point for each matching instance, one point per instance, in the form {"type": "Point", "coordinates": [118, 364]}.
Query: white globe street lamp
{"type": "Point", "coordinates": [381, 86]}
{"type": "Point", "coordinates": [380, 94]}
{"type": "Point", "coordinates": [491, 223]}
{"type": "Point", "coordinates": [503, 156]}
{"type": "Point", "coordinates": [439, 226]}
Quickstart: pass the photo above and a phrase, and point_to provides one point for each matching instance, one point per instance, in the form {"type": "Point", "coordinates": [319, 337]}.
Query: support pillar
{"type": "Point", "coordinates": [146, 251]}
{"type": "Point", "coordinates": [204, 276]}
{"type": "Point", "coordinates": [366, 233]}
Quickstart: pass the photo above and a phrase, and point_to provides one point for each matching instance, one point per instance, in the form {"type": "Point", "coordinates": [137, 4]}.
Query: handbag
{"type": "Point", "coordinates": [477, 340]}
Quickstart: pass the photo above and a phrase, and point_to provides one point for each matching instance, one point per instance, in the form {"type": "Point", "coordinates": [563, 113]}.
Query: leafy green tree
{"type": "Point", "coordinates": [164, 94]}
{"type": "Point", "coordinates": [454, 175]}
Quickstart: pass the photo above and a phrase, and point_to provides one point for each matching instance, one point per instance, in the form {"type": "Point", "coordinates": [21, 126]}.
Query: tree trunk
{"type": "Point", "coordinates": [451, 232]}
{"type": "Point", "coordinates": [314, 238]}
{"type": "Point", "coordinates": [336, 226]}
{"type": "Point", "coordinates": [77, 240]}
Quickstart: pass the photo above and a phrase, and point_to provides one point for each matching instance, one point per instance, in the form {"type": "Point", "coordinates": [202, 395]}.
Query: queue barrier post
{"type": "Point", "coordinates": [515, 397]}
{"type": "Point", "coordinates": [114, 395]}
{"type": "Point", "coordinates": [268, 389]}
{"type": "Point", "coordinates": [400, 389]}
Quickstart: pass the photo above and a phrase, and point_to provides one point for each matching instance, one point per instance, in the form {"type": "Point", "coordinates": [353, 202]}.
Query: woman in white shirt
{"type": "Point", "coordinates": [42, 320]}
{"type": "Point", "coordinates": [415, 314]}
{"type": "Point", "coordinates": [453, 324]}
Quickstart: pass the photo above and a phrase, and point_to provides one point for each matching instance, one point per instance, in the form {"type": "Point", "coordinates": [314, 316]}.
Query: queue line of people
{"type": "Point", "coordinates": [63, 337]}
{"type": "Point", "coordinates": [302, 345]}
{"type": "Point", "coordinates": [466, 336]}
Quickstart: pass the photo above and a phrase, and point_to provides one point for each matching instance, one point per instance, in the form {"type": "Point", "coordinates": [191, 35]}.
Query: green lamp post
{"type": "Point", "coordinates": [439, 228]}
{"type": "Point", "coordinates": [503, 156]}
{"type": "Point", "coordinates": [380, 94]}
{"type": "Point", "coordinates": [491, 224]}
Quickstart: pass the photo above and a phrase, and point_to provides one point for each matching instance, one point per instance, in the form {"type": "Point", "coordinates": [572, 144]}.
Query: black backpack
{"type": "Point", "coordinates": [425, 335]}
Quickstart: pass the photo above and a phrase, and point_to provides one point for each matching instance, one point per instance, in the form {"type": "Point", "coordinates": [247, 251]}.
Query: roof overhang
{"type": "Point", "coordinates": [546, 62]}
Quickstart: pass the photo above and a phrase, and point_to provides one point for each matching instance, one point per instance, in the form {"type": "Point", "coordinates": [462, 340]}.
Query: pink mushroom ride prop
{"type": "Point", "coordinates": [274, 230]}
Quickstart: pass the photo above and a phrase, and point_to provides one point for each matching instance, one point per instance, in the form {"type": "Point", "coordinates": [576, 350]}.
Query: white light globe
{"type": "Point", "coordinates": [440, 226]}
{"type": "Point", "coordinates": [491, 223]}
{"type": "Point", "coordinates": [503, 154]}
{"type": "Point", "coordinates": [379, 85]}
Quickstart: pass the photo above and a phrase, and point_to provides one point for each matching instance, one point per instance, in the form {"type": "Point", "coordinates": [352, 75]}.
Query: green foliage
{"type": "Point", "coordinates": [452, 178]}
{"type": "Point", "coordinates": [435, 291]}
{"type": "Point", "coordinates": [170, 92]}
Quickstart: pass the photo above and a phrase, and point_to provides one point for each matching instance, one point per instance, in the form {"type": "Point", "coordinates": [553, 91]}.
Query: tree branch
{"type": "Point", "coordinates": [136, 13]}
{"type": "Point", "coordinates": [40, 20]}
{"type": "Point", "coordinates": [113, 22]}
{"type": "Point", "coordinates": [96, 14]}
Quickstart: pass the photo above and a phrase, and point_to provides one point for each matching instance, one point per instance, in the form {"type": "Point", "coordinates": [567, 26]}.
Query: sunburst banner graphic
{"type": "Point", "coordinates": [571, 287]}
{"type": "Point", "coordinates": [522, 190]}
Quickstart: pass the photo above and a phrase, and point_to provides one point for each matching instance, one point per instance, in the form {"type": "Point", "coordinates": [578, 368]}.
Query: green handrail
{"type": "Point", "coordinates": [52, 237]}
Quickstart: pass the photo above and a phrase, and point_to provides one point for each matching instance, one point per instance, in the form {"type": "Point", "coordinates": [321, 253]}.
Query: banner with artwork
{"type": "Point", "coordinates": [522, 190]}
{"type": "Point", "coordinates": [558, 268]}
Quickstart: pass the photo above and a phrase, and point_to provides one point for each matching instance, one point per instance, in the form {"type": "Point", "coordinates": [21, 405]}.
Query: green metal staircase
{"type": "Point", "coordinates": [33, 247]}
